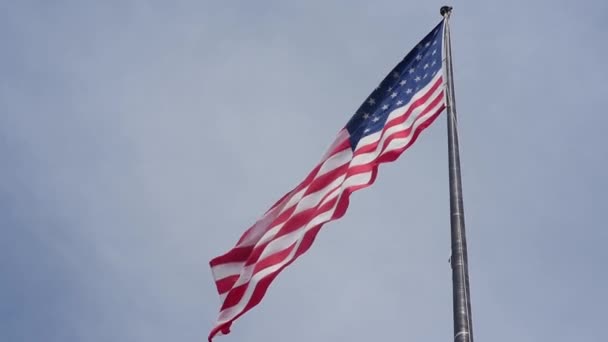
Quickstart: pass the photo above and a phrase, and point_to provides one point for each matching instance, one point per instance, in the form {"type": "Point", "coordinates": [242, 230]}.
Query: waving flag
{"type": "Point", "coordinates": [406, 102]}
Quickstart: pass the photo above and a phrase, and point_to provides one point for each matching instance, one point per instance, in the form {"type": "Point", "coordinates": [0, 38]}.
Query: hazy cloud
{"type": "Point", "coordinates": [140, 138]}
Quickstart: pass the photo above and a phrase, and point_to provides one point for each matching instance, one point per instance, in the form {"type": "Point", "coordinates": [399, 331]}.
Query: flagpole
{"type": "Point", "coordinates": [463, 325]}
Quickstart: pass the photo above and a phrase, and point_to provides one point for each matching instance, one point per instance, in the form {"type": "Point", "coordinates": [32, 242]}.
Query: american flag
{"type": "Point", "coordinates": [407, 101]}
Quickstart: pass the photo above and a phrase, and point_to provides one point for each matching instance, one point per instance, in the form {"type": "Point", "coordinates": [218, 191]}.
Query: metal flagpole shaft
{"type": "Point", "coordinates": [463, 327]}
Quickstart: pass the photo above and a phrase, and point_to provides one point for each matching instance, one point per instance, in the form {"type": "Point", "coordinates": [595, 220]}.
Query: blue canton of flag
{"type": "Point", "coordinates": [413, 73]}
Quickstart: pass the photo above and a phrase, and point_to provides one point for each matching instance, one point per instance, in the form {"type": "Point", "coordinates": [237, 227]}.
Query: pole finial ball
{"type": "Point", "coordinates": [445, 10]}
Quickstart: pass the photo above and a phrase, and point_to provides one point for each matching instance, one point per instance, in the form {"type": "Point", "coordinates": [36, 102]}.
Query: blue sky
{"type": "Point", "coordinates": [140, 138]}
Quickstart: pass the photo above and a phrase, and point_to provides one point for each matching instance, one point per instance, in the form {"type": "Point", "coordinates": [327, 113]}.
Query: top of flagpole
{"type": "Point", "coordinates": [445, 11]}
